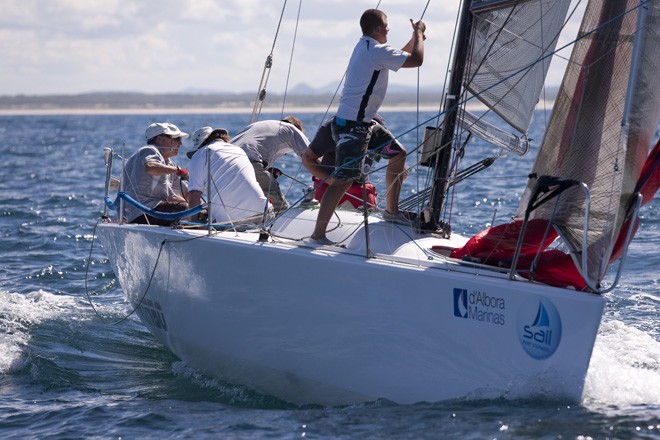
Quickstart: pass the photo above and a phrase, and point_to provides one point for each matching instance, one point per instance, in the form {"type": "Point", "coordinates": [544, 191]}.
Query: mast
{"type": "Point", "coordinates": [443, 159]}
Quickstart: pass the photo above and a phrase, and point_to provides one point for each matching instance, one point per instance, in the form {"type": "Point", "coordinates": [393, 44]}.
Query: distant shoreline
{"type": "Point", "coordinates": [91, 111]}
{"type": "Point", "coordinates": [130, 103]}
{"type": "Point", "coordinates": [190, 111]}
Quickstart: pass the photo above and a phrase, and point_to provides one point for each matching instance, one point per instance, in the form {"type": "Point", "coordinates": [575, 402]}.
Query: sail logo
{"type": "Point", "coordinates": [479, 306]}
{"type": "Point", "coordinates": [539, 328]}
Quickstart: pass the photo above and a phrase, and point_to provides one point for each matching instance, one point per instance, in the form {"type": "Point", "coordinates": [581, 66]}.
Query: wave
{"type": "Point", "coordinates": [624, 368]}
{"type": "Point", "coordinates": [21, 313]}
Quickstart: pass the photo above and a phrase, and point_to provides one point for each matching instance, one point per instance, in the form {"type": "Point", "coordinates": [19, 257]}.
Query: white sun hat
{"type": "Point", "coordinates": [202, 134]}
{"type": "Point", "coordinates": [158, 128]}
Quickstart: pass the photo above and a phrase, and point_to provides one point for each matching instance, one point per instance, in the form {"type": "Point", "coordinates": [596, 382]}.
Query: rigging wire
{"type": "Point", "coordinates": [265, 75]}
{"type": "Point", "coordinates": [418, 97]}
{"type": "Point", "coordinates": [341, 81]}
{"type": "Point", "coordinates": [286, 88]}
{"type": "Point", "coordinates": [262, 93]}
{"type": "Point", "coordinates": [440, 105]}
{"type": "Point", "coordinates": [293, 47]}
{"type": "Point", "coordinates": [425, 8]}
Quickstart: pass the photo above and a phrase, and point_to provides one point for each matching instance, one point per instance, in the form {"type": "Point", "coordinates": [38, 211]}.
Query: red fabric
{"type": "Point", "coordinates": [647, 185]}
{"type": "Point", "coordinates": [617, 251]}
{"type": "Point", "coordinates": [353, 194]}
{"type": "Point", "coordinates": [555, 268]}
{"type": "Point", "coordinates": [497, 245]}
{"type": "Point", "coordinates": [649, 180]}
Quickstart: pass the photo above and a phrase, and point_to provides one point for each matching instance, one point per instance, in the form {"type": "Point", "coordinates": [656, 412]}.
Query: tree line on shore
{"type": "Point", "coordinates": [136, 100]}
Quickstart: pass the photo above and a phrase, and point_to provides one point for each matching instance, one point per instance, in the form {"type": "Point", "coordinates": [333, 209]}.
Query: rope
{"type": "Point", "coordinates": [146, 290]}
{"type": "Point", "coordinates": [89, 299]}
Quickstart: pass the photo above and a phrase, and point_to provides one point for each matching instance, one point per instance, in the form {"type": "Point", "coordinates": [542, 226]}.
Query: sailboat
{"type": "Point", "coordinates": [420, 313]}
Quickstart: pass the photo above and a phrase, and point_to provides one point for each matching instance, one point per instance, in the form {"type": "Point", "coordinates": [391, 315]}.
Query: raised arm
{"type": "Point", "coordinates": [415, 47]}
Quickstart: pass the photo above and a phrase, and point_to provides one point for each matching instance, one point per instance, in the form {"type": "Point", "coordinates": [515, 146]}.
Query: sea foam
{"type": "Point", "coordinates": [624, 368]}
{"type": "Point", "coordinates": [20, 313]}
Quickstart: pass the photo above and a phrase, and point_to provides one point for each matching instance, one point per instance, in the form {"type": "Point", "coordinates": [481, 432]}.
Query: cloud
{"type": "Point", "coordinates": [74, 46]}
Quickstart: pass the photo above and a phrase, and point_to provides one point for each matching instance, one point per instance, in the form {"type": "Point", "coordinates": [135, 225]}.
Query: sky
{"type": "Point", "coordinates": [160, 46]}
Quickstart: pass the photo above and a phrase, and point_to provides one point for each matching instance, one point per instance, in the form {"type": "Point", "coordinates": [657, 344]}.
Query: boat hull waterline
{"type": "Point", "coordinates": [325, 325]}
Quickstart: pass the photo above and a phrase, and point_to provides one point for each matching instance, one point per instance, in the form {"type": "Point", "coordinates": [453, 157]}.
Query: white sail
{"type": "Point", "coordinates": [508, 37]}
{"type": "Point", "coordinates": [602, 125]}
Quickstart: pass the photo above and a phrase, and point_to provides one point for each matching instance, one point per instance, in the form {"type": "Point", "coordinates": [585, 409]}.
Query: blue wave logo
{"type": "Point", "coordinates": [540, 337]}
{"type": "Point", "coordinates": [460, 303]}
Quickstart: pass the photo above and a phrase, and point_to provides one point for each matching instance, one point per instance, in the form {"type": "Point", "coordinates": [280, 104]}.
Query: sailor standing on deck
{"type": "Point", "coordinates": [319, 159]}
{"type": "Point", "coordinates": [363, 93]}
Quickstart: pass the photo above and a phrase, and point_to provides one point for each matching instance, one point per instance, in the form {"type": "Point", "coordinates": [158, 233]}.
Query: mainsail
{"type": "Point", "coordinates": [601, 127]}
{"type": "Point", "coordinates": [502, 58]}
{"type": "Point", "coordinates": [512, 44]}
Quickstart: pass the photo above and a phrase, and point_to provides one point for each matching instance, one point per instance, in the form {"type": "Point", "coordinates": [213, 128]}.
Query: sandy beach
{"type": "Point", "coordinates": [203, 110]}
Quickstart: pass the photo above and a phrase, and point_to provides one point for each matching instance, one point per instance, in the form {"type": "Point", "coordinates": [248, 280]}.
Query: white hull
{"type": "Point", "coordinates": [326, 325]}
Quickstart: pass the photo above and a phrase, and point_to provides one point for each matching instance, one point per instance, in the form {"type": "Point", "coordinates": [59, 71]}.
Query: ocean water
{"type": "Point", "coordinates": [73, 366]}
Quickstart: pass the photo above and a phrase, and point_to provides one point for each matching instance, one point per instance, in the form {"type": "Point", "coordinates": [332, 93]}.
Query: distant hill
{"type": "Point", "coordinates": [300, 96]}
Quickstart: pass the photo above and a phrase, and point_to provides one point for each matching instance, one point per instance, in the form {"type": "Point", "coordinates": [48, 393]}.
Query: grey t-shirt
{"type": "Point", "coordinates": [146, 189]}
{"type": "Point", "coordinates": [267, 141]}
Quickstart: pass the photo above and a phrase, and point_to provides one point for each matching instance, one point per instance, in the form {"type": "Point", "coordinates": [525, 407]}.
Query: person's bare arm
{"type": "Point", "coordinates": [313, 164]}
{"type": "Point", "coordinates": [194, 198]}
{"type": "Point", "coordinates": [154, 168]}
{"type": "Point", "coordinates": [415, 47]}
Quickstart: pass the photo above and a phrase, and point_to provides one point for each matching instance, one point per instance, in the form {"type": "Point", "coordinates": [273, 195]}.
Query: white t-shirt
{"type": "Point", "coordinates": [270, 140]}
{"type": "Point", "coordinates": [235, 191]}
{"type": "Point", "coordinates": [366, 79]}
